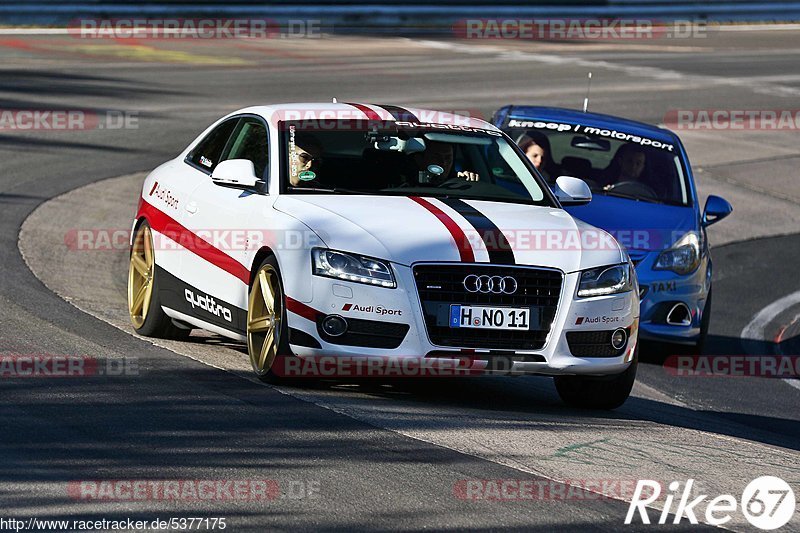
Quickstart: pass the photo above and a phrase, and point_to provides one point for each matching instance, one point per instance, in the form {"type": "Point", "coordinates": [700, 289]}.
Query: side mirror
{"type": "Point", "coordinates": [572, 191]}
{"type": "Point", "coordinates": [716, 209]}
{"type": "Point", "coordinates": [238, 172]}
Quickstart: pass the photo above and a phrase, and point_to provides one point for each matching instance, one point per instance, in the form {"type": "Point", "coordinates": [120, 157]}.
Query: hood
{"type": "Point", "coordinates": [409, 230]}
{"type": "Point", "coordinates": [639, 226]}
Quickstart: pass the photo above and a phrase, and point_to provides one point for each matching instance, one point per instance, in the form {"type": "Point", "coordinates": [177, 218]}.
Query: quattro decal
{"type": "Point", "coordinates": [207, 303]}
{"type": "Point", "coordinates": [178, 295]}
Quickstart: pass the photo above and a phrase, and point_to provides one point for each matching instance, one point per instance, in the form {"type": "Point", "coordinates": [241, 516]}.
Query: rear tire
{"type": "Point", "coordinates": [598, 392]}
{"type": "Point", "coordinates": [144, 304]}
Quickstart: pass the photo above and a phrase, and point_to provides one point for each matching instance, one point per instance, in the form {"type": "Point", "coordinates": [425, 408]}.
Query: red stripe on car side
{"type": "Point", "coordinates": [168, 226]}
{"type": "Point", "coordinates": [371, 115]}
{"type": "Point", "coordinates": [458, 235]}
{"type": "Point", "coordinates": [299, 308]}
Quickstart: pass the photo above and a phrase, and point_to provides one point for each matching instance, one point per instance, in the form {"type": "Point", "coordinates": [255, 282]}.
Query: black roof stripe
{"type": "Point", "coordinates": [400, 113]}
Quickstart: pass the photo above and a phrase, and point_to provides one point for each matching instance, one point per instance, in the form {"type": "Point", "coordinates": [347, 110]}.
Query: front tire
{"type": "Point", "coordinates": [705, 323]}
{"type": "Point", "coordinates": [144, 304]}
{"type": "Point", "coordinates": [267, 330]}
{"type": "Point", "coordinates": [597, 392]}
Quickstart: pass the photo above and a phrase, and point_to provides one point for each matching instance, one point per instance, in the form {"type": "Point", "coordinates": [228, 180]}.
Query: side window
{"type": "Point", "coordinates": [249, 141]}
{"type": "Point", "coordinates": [208, 152]}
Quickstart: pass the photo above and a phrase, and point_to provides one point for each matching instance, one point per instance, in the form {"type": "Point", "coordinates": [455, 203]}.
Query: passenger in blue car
{"type": "Point", "coordinates": [537, 150]}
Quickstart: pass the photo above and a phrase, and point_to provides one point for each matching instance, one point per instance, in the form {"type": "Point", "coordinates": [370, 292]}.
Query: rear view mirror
{"type": "Point", "coordinates": [716, 209]}
{"type": "Point", "coordinates": [588, 143]}
{"type": "Point", "coordinates": [238, 172]}
{"type": "Point", "coordinates": [396, 144]}
{"type": "Point", "coordinates": [572, 191]}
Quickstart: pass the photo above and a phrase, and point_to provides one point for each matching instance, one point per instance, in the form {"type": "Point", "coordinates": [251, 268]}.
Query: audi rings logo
{"type": "Point", "coordinates": [490, 284]}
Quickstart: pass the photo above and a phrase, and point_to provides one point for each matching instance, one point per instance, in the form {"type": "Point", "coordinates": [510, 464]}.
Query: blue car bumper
{"type": "Point", "coordinates": [661, 290]}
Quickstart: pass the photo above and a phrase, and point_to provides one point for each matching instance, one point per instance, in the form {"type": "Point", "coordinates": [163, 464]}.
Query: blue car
{"type": "Point", "coordinates": [644, 194]}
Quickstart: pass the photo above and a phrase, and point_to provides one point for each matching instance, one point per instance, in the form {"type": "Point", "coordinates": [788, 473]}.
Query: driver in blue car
{"type": "Point", "coordinates": [628, 165]}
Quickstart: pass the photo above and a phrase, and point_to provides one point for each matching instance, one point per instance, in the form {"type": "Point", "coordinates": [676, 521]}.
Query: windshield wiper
{"type": "Point", "coordinates": [629, 196]}
{"type": "Point", "coordinates": [334, 190]}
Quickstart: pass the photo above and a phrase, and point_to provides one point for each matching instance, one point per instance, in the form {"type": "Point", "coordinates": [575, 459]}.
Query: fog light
{"type": "Point", "coordinates": [618, 339]}
{"type": "Point", "coordinates": [334, 325]}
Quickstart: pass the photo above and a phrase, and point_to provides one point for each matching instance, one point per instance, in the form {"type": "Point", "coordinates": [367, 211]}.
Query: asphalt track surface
{"type": "Point", "coordinates": [386, 456]}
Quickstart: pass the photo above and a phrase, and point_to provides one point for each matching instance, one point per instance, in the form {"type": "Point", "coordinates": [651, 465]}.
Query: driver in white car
{"type": "Point", "coordinates": [440, 154]}
{"type": "Point", "coordinates": [305, 158]}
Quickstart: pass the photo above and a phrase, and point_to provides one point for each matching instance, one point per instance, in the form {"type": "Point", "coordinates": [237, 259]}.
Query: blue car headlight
{"type": "Point", "coordinates": [352, 267]}
{"type": "Point", "coordinates": [683, 257]}
{"type": "Point", "coordinates": [606, 280]}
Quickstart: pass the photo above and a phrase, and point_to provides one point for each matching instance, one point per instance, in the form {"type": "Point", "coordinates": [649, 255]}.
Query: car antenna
{"type": "Point", "coordinates": [334, 100]}
{"type": "Point", "coordinates": [588, 88]}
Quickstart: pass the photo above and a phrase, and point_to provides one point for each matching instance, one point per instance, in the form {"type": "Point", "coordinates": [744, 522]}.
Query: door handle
{"type": "Point", "coordinates": [191, 208]}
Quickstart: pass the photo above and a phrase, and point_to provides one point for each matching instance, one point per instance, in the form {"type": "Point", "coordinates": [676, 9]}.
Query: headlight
{"type": "Point", "coordinates": [352, 267]}
{"type": "Point", "coordinates": [605, 280]}
{"type": "Point", "coordinates": [683, 257]}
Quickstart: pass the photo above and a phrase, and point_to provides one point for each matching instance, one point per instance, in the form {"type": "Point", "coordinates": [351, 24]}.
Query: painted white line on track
{"type": "Point", "coordinates": [754, 84]}
{"type": "Point", "coordinates": [755, 27]}
{"type": "Point", "coordinates": [754, 330]}
{"type": "Point", "coordinates": [34, 31]}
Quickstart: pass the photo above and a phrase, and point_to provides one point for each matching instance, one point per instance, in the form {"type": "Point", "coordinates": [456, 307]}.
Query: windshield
{"type": "Point", "coordinates": [405, 159]}
{"type": "Point", "coordinates": [611, 162]}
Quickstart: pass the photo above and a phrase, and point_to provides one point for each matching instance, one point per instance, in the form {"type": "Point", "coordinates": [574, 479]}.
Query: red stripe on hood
{"type": "Point", "coordinates": [458, 235]}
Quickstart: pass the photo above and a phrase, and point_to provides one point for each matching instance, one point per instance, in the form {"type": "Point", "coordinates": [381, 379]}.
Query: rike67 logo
{"type": "Point", "coordinates": [767, 502]}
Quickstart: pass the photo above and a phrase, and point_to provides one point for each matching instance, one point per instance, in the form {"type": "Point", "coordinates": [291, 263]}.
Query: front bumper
{"type": "Point", "coordinates": [660, 290]}
{"type": "Point", "coordinates": [402, 306]}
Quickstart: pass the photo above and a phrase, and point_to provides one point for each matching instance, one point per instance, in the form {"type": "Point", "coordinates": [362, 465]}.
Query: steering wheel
{"type": "Point", "coordinates": [634, 188]}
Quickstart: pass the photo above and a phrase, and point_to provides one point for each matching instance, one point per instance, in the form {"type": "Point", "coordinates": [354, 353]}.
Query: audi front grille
{"type": "Point", "coordinates": [440, 286]}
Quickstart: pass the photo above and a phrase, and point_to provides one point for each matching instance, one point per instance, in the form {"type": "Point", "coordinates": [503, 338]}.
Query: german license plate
{"type": "Point", "coordinates": [484, 317]}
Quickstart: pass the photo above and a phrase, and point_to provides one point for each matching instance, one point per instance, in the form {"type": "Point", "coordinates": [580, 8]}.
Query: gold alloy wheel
{"type": "Point", "coordinates": [140, 276]}
{"type": "Point", "coordinates": [264, 314]}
